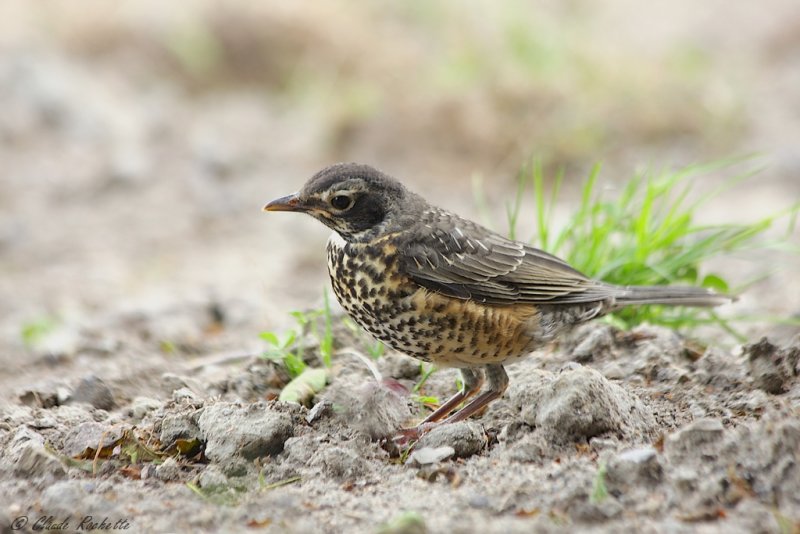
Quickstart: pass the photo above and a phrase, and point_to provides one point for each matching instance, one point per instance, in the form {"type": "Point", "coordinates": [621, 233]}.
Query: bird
{"type": "Point", "coordinates": [448, 291]}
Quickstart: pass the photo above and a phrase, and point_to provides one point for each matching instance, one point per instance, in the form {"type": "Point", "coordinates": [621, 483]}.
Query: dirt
{"type": "Point", "coordinates": [138, 271]}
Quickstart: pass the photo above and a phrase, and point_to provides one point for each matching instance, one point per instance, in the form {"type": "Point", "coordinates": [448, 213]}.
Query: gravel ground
{"type": "Point", "coordinates": [645, 433]}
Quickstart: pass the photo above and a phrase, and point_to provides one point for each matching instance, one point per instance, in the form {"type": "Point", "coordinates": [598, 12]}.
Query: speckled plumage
{"type": "Point", "coordinates": [446, 290]}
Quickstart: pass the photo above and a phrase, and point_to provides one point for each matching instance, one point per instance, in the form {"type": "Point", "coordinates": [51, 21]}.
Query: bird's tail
{"type": "Point", "coordinates": [670, 295]}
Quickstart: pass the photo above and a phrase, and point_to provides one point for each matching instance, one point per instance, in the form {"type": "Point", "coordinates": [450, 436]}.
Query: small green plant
{"type": "Point", "coordinates": [376, 349]}
{"type": "Point", "coordinates": [406, 521]}
{"type": "Point", "coordinates": [287, 348]}
{"type": "Point", "coordinates": [646, 235]}
{"type": "Point", "coordinates": [425, 371]}
{"type": "Point", "coordinates": [284, 349]}
{"type": "Point", "coordinates": [599, 489]}
{"type": "Point", "coordinates": [326, 340]}
{"type": "Point", "coordinates": [34, 331]}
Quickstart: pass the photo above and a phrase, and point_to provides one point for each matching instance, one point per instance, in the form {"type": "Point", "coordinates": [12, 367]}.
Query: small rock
{"type": "Point", "coordinates": [479, 501]}
{"type": "Point", "coordinates": [684, 479]}
{"type": "Point", "coordinates": [527, 389]}
{"type": "Point", "coordinates": [602, 444]}
{"type": "Point", "coordinates": [635, 467]}
{"type": "Point", "coordinates": [671, 373]}
{"type": "Point", "coordinates": [429, 455]}
{"type": "Point", "coordinates": [184, 395]}
{"type": "Point", "coordinates": [772, 368]}
{"type": "Point", "coordinates": [579, 404]}
{"type": "Point", "coordinates": [23, 436]}
{"type": "Point", "coordinates": [171, 382]}
{"type": "Point", "coordinates": [179, 426]}
{"type": "Point", "coordinates": [35, 461]}
{"type": "Point", "coordinates": [29, 458]}
{"type": "Point", "coordinates": [141, 406]}
{"type": "Point", "coordinates": [614, 371]}
{"type": "Point", "coordinates": [148, 471]}
{"type": "Point", "coordinates": [92, 390]}
{"type": "Point", "coordinates": [699, 438]}
{"type": "Point", "coordinates": [44, 396]}
{"type": "Point", "coordinates": [169, 470]}
{"type": "Point", "coordinates": [465, 438]}
{"type": "Point", "coordinates": [249, 431]}
{"type": "Point", "coordinates": [719, 369]}
{"type": "Point", "coordinates": [323, 408]}
{"type": "Point", "coordinates": [596, 345]}
{"type": "Point", "coordinates": [213, 479]}
{"type": "Point", "coordinates": [666, 340]}
{"type": "Point", "coordinates": [63, 395]}
{"type": "Point", "coordinates": [90, 435]}
{"type": "Point", "coordinates": [259, 379]}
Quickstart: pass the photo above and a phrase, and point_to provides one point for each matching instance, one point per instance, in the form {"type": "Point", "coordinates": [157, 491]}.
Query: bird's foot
{"type": "Point", "coordinates": [406, 436]}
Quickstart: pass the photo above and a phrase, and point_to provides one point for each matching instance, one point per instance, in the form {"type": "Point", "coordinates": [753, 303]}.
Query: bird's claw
{"type": "Point", "coordinates": [405, 436]}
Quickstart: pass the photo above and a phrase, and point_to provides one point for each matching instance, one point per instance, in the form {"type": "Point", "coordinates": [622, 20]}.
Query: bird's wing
{"type": "Point", "coordinates": [459, 258]}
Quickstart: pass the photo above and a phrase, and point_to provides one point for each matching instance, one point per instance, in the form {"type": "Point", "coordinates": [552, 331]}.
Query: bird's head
{"type": "Point", "coordinates": [357, 201]}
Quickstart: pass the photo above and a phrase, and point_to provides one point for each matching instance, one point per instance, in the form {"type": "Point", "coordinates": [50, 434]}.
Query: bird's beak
{"type": "Point", "coordinates": [287, 203]}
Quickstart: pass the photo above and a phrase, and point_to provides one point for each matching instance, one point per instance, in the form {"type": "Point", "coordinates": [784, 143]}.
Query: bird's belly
{"type": "Point", "coordinates": [445, 331]}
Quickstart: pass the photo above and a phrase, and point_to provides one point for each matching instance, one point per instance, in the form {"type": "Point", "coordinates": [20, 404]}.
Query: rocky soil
{"type": "Point", "coordinates": [644, 432]}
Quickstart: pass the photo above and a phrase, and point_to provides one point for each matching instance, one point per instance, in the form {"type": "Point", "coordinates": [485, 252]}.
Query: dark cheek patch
{"type": "Point", "coordinates": [366, 213]}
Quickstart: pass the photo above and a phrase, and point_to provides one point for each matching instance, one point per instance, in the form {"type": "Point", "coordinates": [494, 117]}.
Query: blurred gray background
{"type": "Point", "coordinates": [140, 139]}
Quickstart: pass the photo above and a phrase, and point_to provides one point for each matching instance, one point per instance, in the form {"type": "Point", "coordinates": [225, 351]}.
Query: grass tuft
{"type": "Point", "coordinates": [646, 235]}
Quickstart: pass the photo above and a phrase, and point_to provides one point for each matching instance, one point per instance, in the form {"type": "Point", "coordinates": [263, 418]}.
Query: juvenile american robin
{"type": "Point", "coordinates": [446, 290]}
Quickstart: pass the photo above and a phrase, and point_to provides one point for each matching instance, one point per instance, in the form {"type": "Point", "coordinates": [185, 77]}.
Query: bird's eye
{"type": "Point", "coordinates": [342, 202]}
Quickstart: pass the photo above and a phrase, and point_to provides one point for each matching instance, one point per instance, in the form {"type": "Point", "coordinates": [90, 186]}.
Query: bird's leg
{"type": "Point", "coordinates": [498, 382]}
{"type": "Point", "coordinates": [471, 384]}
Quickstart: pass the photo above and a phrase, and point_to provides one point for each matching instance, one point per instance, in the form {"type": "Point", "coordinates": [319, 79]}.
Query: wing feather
{"type": "Point", "coordinates": [462, 259]}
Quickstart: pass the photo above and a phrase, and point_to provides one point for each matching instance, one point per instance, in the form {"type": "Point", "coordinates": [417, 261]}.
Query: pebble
{"type": "Point", "coordinates": [178, 426]}
{"type": "Point", "coordinates": [250, 431]}
{"type": "Point", "coordinates": [141, 406]}
{"type": "Point", "coordinates": [639, 466]}
{"type": "Point", "coordinates": [465, 438]}
{"type": "Point", "coordinates": [169, 470]}
{"type": "Point", "coordinates": [90, 435]}
{"type": "Point", "coordinates": [578, 404]}
{"type": "Point", "coordinates": [92, 390]}
{"type": "Point", "coordinates": [430, 455]}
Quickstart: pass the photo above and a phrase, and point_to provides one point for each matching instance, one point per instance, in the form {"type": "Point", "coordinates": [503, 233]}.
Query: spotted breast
{"type": "Point", "coordinates": [419, 322]}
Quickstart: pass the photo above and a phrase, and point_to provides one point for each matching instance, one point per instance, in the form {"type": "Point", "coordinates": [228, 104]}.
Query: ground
{"type": "Point", "coordinates": [138, 146]}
